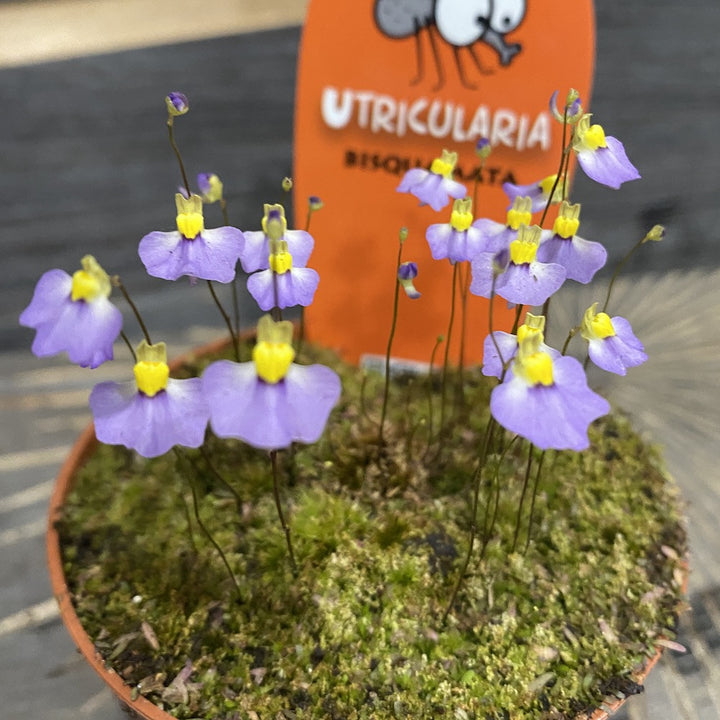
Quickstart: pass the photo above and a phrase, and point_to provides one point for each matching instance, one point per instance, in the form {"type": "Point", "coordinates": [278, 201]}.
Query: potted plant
{"type": "Point", "coordinates": [466, 543]}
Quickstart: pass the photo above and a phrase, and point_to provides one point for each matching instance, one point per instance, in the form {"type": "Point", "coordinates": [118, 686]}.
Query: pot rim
{"type": "Point", "coordinates": [81, 450]}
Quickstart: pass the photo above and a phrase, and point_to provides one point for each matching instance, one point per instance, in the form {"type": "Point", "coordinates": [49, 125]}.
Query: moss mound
{"type": "Point", "coordinates": [380, 534]}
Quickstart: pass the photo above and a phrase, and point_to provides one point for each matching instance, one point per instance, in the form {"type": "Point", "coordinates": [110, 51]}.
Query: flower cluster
{"type": "Point", "coordinates": [268, 400]}
{"type": "Point", "coordinates": [543, 395]}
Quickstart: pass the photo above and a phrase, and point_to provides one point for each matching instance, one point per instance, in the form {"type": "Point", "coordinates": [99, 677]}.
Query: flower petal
{"type": "Point", "coordinates": [617, 352]}
{"type": "Point", "coordinates": [257, 249]}
{"type": "Point", "coordinates": [530, 283]}
{"type": "Point", "coordinates": [212, 255]}
{"type": "Point", "coordinates": [608, 165]}
{"type": "Point", "coordinates": [580, 258]}
{"type": "Point", "coordinates": [151, 426]}
{"type": "Point", "coordinates": [270, 416]}
{"type": "Point", "coordinates": [556, 416]}
{"type": "Point", "coordinates": [294, 287]}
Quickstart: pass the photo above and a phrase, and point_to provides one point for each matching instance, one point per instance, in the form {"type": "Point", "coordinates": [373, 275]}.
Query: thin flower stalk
{"type": "Point", "coordinates": [117, 282]}
{"type": "Point", "coordinates": [476, 483]}
{"type": "Point", "coordinates": [536, 483]}
{"type": "Point", "coordinates": [226, 319]}
{"type": "Point", "coordinates": [393, 326]}
{"type": "Point", "coordinates": [196, 510]}
{"type": "Point", "coordinates": [281, 515]}
{"type": "Point", "coordinates": [526, 480]}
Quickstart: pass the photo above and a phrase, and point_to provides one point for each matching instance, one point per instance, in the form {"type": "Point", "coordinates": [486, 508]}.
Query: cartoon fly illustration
{"type": "Point", "coordinates": [460, 23]}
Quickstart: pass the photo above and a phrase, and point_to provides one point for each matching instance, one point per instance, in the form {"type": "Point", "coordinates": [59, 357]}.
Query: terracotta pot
{"type": "Point", "coordinates": [81, 450]}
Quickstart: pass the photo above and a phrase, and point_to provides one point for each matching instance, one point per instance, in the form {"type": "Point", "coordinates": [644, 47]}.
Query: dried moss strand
{"type": "Point", "coordinates": [278, 505]}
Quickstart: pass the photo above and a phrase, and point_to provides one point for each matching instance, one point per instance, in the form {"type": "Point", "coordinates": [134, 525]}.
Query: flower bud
{"type": "Point", "coordinates": [315, 203]}
{"type": "Point", "coordinates": [177, 104]}
{"type": "Point", "coordinates": [287, 184]}
{"type": "Point", "coordinates": [483, 147]}
{"type": "Point", "coordinates": [407, 272]}
{"type": "Point", "coordinates": [210, 186]}
{"type": "Point", "coordinates": [656, 234]}
{"type": "Point", "coordinates": [403, 234]}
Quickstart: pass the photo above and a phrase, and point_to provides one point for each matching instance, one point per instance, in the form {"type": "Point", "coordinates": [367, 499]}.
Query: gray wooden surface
{"type": "Point", "coordinates": [84, 163]}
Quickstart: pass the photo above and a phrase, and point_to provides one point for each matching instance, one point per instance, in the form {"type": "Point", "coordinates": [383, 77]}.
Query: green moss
{"type": "Point", "coordinates": [380, 535]}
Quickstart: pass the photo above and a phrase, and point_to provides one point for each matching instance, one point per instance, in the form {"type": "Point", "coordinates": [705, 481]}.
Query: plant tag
{"type": "Point", "coordinates": [383, 87]}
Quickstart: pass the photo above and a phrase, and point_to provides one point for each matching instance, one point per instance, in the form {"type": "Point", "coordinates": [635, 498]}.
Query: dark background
{"type": "Point", "coordinates": [86, 167]}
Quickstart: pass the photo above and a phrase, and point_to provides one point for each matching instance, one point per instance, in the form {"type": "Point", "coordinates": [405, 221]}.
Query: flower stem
{"type": "Point", "coordinates": [278, 505]}
{"type": "Point", "coordinates": [117, 282]}
{"type": "Point", "coordinates": [386, 389]}
{"type": "Point", "coordinates": [477, 479]}
{"type": "Point", "coordinates": [488, 530]}
{"type": "Point", "coordinates": [236, 303]}
{"type": "Point", "coordinates": [446, 359]}
{"type": "Point", "coordinates": [226, 318]}
{"type": "Point", "coordinates": [619, 267]}
{"type": "Point", "coordinates": [526, 480]}
{"type": "Point", "coordinates": [564, 154]}
{"type": "Point", "coordinates": [173, 144]}
{"type": "Point", "coordinates": [196, 511]}
{"type": "Point", "coordinates": [430, 396]}
{"type": "Point", "coordinates": [464, 288]}
{"type": "Point", "coordinates": [129, 345]}
{"type": "Point", "coordinates": [532, 503]}
{"type": "Point", "coordinates": [223, 481]}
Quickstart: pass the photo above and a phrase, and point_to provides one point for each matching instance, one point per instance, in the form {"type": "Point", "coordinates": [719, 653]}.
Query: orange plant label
{"type": "Point", "coordinates": [383, 86]}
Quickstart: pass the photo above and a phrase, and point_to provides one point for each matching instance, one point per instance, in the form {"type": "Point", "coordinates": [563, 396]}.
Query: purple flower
{"type": "Point", "coordinates": [192, 250]}
{"type": "Point", "coordinates": [458, 240]}
{"type": "Point", "coordinates": [612, 345]}
{"type": "Point", "coordinates": [602, 157]}
{"type": "Point", "coordinates": [407, 272]}
{"type": "Point", "coordinates": [546, 399]}
{"type": "Point", "coordinates": [525, 281]}
{"type": "Point", "coordinates": [507, 344]}
{"type": "Point", "coordinates": [155, 412]}
{"type": "Point", "coordinates": [434, 187]}
{"type": "Point", "coordinates": [538, 192]}
{"type": "Point", "coordinates": [580, 258]}
{"type": "Point", "coordinates": [74, 314]}
{"type": "Point", "coordinates": [210, 186]}
{"type": "Point", "coordinates": [283, 284]}
{"type": "Point", "coordinates": [496, 236]}
{"type": "Point", "coordinates": [270, 402]}
{"type": "Point", "coordinates": [274, 225]}
{"type": "Point", "coordinates": [572, 104]}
